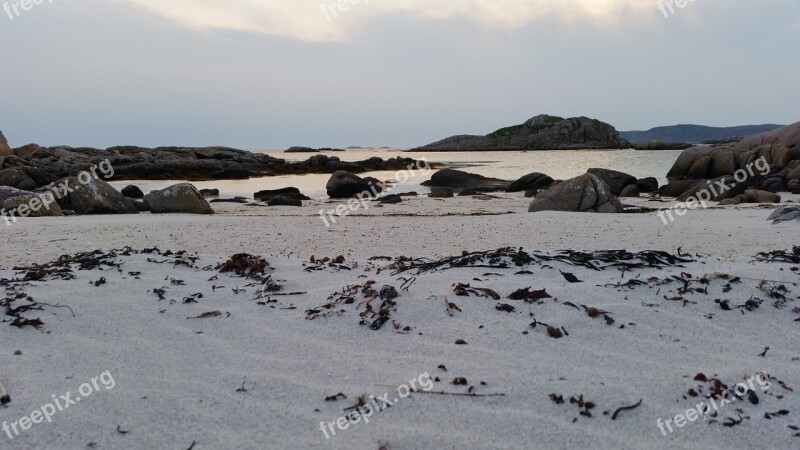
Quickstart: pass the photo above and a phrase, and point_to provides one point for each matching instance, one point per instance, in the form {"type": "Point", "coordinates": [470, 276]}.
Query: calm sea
{"type": "Point", "coordinates": [561, 164]}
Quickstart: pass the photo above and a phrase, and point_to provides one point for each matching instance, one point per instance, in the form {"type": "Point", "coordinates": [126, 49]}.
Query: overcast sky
{"type": "Point", "coordinates": [275, 73]}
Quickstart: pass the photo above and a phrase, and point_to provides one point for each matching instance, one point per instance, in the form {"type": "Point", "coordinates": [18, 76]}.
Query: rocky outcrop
{"type": "Point", "coordinates": [301, 150]}
{"type": "Point", "coordinates": [186, 163]}
{"type": "Point", "coordinates": [94, 197]}
{"type": "Point", "coordinates": [180, 198]}
{"type": "Point", "coordinates": [458, 180]}
{"type": "Point", "coordinates": [586, 193]}
{"type": "Point", "coordinates": [542, 132]}
{"type": "Point", "coordinates": [765, 161]}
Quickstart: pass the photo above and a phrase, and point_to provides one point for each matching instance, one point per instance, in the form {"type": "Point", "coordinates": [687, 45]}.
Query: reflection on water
{"type": "Point", "coordinates": [559, 164]}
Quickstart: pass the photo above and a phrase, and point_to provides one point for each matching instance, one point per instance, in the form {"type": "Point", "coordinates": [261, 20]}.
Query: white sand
{"type": "Point", "coordinates": [176, 379]}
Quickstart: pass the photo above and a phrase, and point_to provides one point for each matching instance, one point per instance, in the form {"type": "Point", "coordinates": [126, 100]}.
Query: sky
{"type": "Point", "coordinates": [260, 74]}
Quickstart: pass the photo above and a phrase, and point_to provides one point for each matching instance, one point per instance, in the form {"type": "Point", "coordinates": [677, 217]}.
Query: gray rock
{"type": "Point", "coordinates": [94, 197]}
{"type": "Point", "coordinates": [785, 214]}
{"type": "Point", "coordinates": [615, 179]}
{"type": "Point", "coordinates": [530, 182]}
{"type": "Point", "coordinates": [390, 199]}
{"type": "Point", "coordinates": [459, 180]}
{"type": "Point", "coordinates": [36, 205]}
{"type": "Point", "coordinates": [345, 185]}
{"type": "Point", "coordinates": [180, 198]}
{"type": "Point", "coordinates": [132, 191]}
{"type": "Point", "coordinates": [17, 179]}
{"type": "Point", "coordinates": [630, 191]}
{"type": "Point", "coordinates": [647, 185]}
{"type": "Point", "coordinates": [209, 192]}
{"type": "Point", "coordinates": [289, 192]}
{"type": "Point", "coordinates": [586, 193]}
{"type": "Point", "coordinates": [712, 188]}
{"type": "Point", "coordinates": [441, 192]}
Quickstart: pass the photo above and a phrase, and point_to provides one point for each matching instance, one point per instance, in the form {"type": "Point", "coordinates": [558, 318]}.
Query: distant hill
{"type": "Point", "coordinates": [694, 134]}
{"type": "Point", "coordinates": [543, 132]}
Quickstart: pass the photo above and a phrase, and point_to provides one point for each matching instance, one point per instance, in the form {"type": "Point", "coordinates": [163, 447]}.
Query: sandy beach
{"type": "Point", "coordinates": [250, 370]}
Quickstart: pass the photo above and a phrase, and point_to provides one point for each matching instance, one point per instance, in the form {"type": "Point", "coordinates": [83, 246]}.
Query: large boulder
{"type": "Point", "coordinates": [615, 179]}
{"type": "Point", "coordinates": [5, 150]}
{"type": "Point", "coordinates": [344, 184]}
{"type": "Point", "coordinates": [179, 198]}
{"type": "Point", "coordinates": [91, 196]}
{"type": "Point", "coordinates": [531, 182]}
{"type": "Point", "coordinates": [289, 193]}
{"type": "Point", "coordinates": [586, 193]}
{"type": "Point", "coordinates": [17, 179]}
{"type": "Point", "coordinates": [718, 189]}
{"type": "Point", "coordinates": [35, 204]}
{"type": "Point", "coordinates": [458, 180]}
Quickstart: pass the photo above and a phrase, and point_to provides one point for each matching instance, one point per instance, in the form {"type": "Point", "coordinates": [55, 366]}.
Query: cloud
{"type": "Point", "coordinates": [324, 21]}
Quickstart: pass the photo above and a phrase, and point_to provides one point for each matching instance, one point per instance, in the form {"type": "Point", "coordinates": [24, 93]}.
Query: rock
{"type": "Point", "coordinates": [647, 185]}
{"type": "Point", "coordinates": [773, 184]}
{"type": "Point", "coordinates": [630, 190]}
{"type": "Point", "coordinates": [209, 192]}
{"type": "Point", "coordinates": [179, 198]}
{"type": "Point", "coordinates": [345, 185]}
{"type": "Point", "coordinates": [5, 150]}
{"type": "Point", "coordinates": [140, 206]}
{"type": "Point", "coordinates": [17, 179]}
{"type": "Point", "coordinates": [676, 187]}
{"type": "Point", "coordinates": [543, 132]}
{"type": "Point", "coordinates": [785, 214]}
{"type": "Point", "coordinates": [586, 193]}
{"type": "Point", "coordinates": [530, 182]}
{"type": "Point", "coordinates": [390, 199]}
{"type": "Point", "coordinates": [459, 180]}
{"type": "Point", "coordinates": [284, 201]}
{"type": "Point", "coordinates": [712, 189]}
{"type": "Point", "coordinates": [793, 186]}
{"type": "Point", "coordinates": [616, 180]}
{"type": "Point", "coordinates": [132, 191]}
{"type": "Point", "coordinates": [376, 184]}
{"type": "Point", "coordinates": [94, 197]}
{"type": "Point", "coordinates": [288, 192]}
{"type": "Point", "coordinates": [752, 196]}
{"type": "Point", "coordinates": [35, 204]}
{"type": "Point", "coordinates": [441, 192]}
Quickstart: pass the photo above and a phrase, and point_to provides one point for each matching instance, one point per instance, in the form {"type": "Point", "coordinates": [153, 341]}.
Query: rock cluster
{"type": "Point", "coordinates": [776, 152]}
